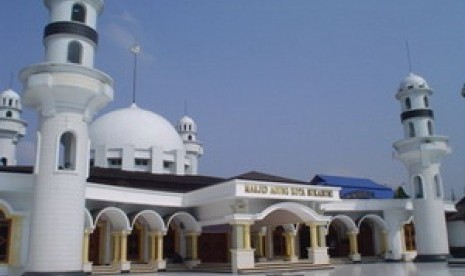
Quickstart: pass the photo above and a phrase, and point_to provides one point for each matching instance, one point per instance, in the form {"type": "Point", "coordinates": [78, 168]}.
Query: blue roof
{"type": "Point", "coordinates": [353, 187]}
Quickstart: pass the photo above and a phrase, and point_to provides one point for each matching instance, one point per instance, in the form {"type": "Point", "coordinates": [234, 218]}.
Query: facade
{"type": "Point", "coordinates": [106, 197]}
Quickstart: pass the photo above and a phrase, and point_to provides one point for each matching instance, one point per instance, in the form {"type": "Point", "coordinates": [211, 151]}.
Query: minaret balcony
{"type": "Point", "coordinates": [64, 87]}
{"type": "Point", "coordinates": [428, 149]}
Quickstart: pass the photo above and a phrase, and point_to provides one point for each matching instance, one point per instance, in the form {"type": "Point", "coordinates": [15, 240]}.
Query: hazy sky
{"type": "Point", "coordinates": [287, 87]}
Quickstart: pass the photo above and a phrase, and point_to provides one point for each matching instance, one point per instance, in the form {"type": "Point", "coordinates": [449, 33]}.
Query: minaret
{"type": "Point", "coordinates": [66, 91]}
{"type": "Point", "coordinates": [421, 150]}
{"type": "Point", "coordinates": [12, 127]}
{"type": "Point", "coordinates": [194, 149]}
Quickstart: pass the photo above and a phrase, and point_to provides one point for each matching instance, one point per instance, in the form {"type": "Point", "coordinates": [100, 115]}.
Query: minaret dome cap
{"type": "Point", "coordinates": [187, 121]}
{"type": "Point", "coordinates": [10, 94]}
{"type": "Point", "coordinates": [413, 81]}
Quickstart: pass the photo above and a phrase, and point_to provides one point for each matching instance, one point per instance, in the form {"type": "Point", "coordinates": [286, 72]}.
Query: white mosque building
{"type": "Point", "coordinates": [122, 193]}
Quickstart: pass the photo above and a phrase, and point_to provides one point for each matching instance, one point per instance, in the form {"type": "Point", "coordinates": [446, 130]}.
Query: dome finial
{"type": "Point", "coordinates": [135, 49]}
{"type": "Point", "coordinates": [409, 60]}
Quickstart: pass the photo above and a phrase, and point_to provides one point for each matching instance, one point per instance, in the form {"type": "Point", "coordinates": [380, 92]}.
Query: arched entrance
{"type": "Point", "coordinates": [338, 238]}
{"type": "Point", "coordinates": [372, 236]}
{"type": "Point", "coordinates": [5, 237]}
{"type": "Point", "coordinates": [295, 228]}
{"type": "Point", "coordinates": [145, 243]}
{"type": "Point", "coordinates": [181, 240]}
{"type": "Point", "coordinates": [108, 241]}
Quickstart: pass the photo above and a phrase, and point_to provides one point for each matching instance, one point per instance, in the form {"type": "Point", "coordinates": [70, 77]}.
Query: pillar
{"type": "Point", "coordinates": [290, 245]}
{"type": "Point", "coordinates": [159, 247]}
{"type": "Point", "coordinates": [124, 246]}
{"type": "Point", "coordinates": [322, 235]}
{"type": "Point", "coordinates": [116, 247]}
{"type": "Point", "coordinates": [353, 245]}
{"type": "Point", "coordinates": [242, 255]}
{"type": "Point", "coordinates": [313, 236]}
{"type": "Point", "coordinates": [85, 247]}
{"type": "Point", "coordinates": [259, 250]}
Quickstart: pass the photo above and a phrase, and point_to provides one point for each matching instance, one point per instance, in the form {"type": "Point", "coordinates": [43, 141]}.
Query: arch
{"type": "Point", "coordinates": [438, 186]}
{"type": "Point", "coordinates": [153, 219]}
{"type": "Point", "coordinates": [426, 101]}
{"type": "Point", "coordinates": [411, 130]}
{"type": "Point", "coordinates": [430, 128]}
{"type": "Point", "coordinates": [117, 218]}
{"type": "Point", "coordinates": [88, 221]}
{"type": "Point", "coordinates": [67, 151]}
{"type": "Point", "coordinates": [189, 222]}
{"type": "Point", "coordinates": [418, 187]}
{"type": "Point", "coordinates": [78, 13]}
{"type": "Point", "coordinates": [9, 114]}
{"type": "Point", "coordinates": [74, 52]}
{"type": "Point", "coordinates": [6, 208]}
{"type": "Point", "coordinates": [408, 103]}
{"type": "Point", "coordinates": [301, 211]}
{"type": "Point", "coordinates": [374, 218]}
{"type": "Point", "coordinates": [347, 221]}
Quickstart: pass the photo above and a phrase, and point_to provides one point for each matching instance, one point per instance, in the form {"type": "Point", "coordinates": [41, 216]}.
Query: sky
{"type": "Point", "coordinates": [287, 87]}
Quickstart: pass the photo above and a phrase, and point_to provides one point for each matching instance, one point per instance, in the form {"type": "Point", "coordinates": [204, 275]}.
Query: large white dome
{"type": "Point", "coordinates": [134, 126]}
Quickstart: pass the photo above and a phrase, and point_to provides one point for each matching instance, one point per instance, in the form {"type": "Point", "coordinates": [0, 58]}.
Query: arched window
{"type": "Point", "coordinates": [411, 130]}
{"type": "Point", "coordinates": [437, 186]}
{"type": "Point", "coordinates": [418, 187]}
{"type": "Point", "coordinates": [67, 152]}
{"type": "Point", "coordinates": [5, 232]}
{"type": "Point", "coordinates": [189, 137]}
{"type": "Point", "coordinates": [10, 102]}
{"type": "Point", "coordinates": [74, 52]}
{"type": "Point", "coordinates": [430, 128]}
{"type": "Point", "coordinates": [426, 101]}
{"type": "Point", "coordinates": [9, 114]}
{"type": "Point", "coordinates": [408, 103]}
{"type": "Point", "coordinates": [78, 13]}
{"type": "Point", "coordinates": [4, 101]}
{"type": "Point", "coordinates": [3, 161]}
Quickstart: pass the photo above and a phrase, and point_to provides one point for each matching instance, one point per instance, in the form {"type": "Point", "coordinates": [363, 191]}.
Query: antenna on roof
{"type": "Point", "coordinates": [135, 49]}
{"type": "Point", "coordinates": [409, 60]}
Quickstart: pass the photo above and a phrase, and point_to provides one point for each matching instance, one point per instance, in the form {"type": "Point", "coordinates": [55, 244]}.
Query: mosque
{"type": "Point", "coordinates": [112, 195]}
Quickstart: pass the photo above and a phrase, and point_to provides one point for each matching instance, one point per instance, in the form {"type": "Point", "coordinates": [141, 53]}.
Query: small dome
{"type": "Point", "coordinates": [10, 98]}
{"type": "Point", "coordinates": [186, 123]}
{"type": "Point", "coordinates": [134, 126]}
{"type": "Point", "coordinates": [413, 81]}
{"type": "Point", "coordinates": [10, 94]}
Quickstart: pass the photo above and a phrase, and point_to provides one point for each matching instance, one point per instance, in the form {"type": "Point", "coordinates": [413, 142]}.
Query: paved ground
{"type": "Point", "coordinates": [382, 269]}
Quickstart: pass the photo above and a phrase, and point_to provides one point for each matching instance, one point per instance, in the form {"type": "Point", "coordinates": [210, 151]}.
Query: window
{"type": "Point", "coordinates": [430, 128]}
{"type": "Point", "coordinates": [166, 164]}
{"type": "Point", "coordinates": [74, 52]}
{"type": "Point", "coordinates": [426, 101]}
{"type": "Point", "coordinates": [418, 187]}
{"type": "Point", "coordinates": [437, 185]}
{"type": "Point", "coordinates": [9, 114]}
{"type": "Point", "coordinates": [408, 103]}
{"type": "Point", "coordinates": [78, 13]}
{"type": "Point", "coordinates": [10, 102]}
{"type": "Point", "coordinates": [141, 162]}
{"type": "Point", "coordinates": [5, 233]}
{"type": "Point", "coordinates": [3, 161]}
{"type": "Point", "coordinates": [114, 162]}
{"type": "Point", "coordinates": [411, 130]}
{"type": "Point", "coordinates": [189, 137]}
{"type": "Point", "coordinates": [67, 152]}
{"type": "Point", "coordinates": [4, 101]}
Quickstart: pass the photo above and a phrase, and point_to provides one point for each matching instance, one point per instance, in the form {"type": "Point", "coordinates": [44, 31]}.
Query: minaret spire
{"type": "Point", "coordinates": [135, 49]}
{"type": "Point", "coordinates": [409, 59]}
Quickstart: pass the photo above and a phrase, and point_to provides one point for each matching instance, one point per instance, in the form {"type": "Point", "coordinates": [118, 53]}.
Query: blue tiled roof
{"type": "Point", "coordinates": [353, 187]}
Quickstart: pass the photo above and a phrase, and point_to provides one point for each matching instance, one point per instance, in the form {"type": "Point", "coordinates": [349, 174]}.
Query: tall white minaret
{"type": "Point", "coordinates": [12, 127]}
{"type": "Point", "coordinates": [66, 91]}
{"type": "Point", "coordinates": [187, 128]}
{"type": "Point", "coordinates": [421, 150]}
